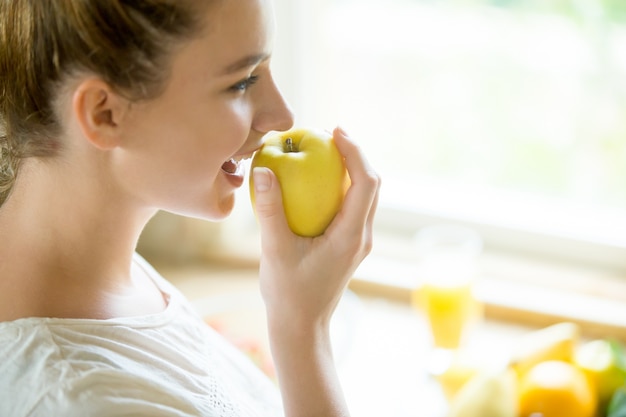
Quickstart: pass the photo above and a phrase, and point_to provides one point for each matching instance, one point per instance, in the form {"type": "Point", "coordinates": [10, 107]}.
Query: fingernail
{"type": "Point", "coordinates": [342, 131]}
{"type": "Point", "coordinates": [262, 180]}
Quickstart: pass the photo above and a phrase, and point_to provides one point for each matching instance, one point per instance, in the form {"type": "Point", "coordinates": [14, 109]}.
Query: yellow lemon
{"type": "Point", "coordinates": [555, 342]}
{"type": "Point", "coordinates": [556, 389]}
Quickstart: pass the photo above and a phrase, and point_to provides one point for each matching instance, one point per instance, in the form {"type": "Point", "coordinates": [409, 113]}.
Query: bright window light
{"type": "Point", "coordinates": [506, 111]}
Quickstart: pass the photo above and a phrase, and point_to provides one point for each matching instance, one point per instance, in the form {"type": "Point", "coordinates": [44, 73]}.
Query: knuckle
{"type": "Point", "coordinates": [372, 179]}
{"type": "Point", "coordinates": [357, 246]}
{"type": "Point", "coordinates": [368, 245]}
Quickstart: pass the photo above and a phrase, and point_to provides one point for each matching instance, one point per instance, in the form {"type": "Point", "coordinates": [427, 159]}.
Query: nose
{"type": "Point", "coordinates": [273, 111]}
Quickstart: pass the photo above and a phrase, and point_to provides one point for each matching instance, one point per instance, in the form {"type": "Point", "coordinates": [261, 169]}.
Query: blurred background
{"type": "Point", "coordinates": [506, 118]}
{"type": "Point", "coordinates": [505, 115]}
{"type": "Point", "coordinates": [515, 95]}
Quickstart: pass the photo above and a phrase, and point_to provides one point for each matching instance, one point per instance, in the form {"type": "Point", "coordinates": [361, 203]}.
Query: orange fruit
{"type": "Point", "coordinates": [556, 389]}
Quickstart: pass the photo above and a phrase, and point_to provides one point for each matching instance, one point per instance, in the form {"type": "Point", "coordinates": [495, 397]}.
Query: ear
{"type": "Point", "coordinates": [99, 112]}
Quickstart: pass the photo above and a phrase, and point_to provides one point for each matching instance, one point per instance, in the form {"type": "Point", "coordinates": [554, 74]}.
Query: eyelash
{"type": "Point", "coordinates": [245, 84]}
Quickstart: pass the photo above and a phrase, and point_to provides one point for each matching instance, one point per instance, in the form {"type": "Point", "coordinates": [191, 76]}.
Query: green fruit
{"type": "Point", "coordinates": [488, 394]}
{"type": "Point", "coordinates": [617, 406]}
{"type": "Point", "coordinates": [603, 361]}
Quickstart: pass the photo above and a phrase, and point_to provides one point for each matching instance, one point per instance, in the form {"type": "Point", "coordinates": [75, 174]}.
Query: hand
{"type": "Point", "coordinates": [302, 279]}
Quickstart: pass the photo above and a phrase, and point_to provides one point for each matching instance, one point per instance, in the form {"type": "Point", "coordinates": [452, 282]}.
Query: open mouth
{"type": "Point", "coordinates": [231, 166]}
{"type": "Point", "coordinates": [236, 165]}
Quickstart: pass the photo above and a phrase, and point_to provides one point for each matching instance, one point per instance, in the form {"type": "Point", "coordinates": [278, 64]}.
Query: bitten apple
{"type": "Point", "coordinates": [312, 176]}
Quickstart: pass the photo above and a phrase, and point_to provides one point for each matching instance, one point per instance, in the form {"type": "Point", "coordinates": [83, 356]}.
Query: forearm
{"type": "Point", "coordinates": [302, 279]}
{"type": "Point", "coordinates": [306, 371]}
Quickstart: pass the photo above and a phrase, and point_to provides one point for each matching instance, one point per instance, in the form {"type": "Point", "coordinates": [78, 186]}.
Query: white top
{"type": "Point", "coordinates": [165, 364]}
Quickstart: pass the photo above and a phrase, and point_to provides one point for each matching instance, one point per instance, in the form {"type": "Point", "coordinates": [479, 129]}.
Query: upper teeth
{"type": "Point", "coordinates": [240, 158]}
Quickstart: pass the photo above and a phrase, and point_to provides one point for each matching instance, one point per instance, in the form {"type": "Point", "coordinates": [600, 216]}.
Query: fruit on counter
{"type": "Point", "coordinates": [553, 374]}
{"type": "Point", "coordinates": [556, 389]}
{"type": "Point", "coordinates": [555, 342]}
{"type": "Point", "coordinates": [617, 406]}
{"type": "Point", "coordinates": [487, 394]}
{"type": "Point", "coordinates": [312, 176]}
{"type": "Point", "coordinates": [456, 374]}
{"type": "Point", "coordinates": [604, 363]}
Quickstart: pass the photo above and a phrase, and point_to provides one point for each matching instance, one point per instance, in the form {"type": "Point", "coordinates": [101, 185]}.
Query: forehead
{"type": "Point", "coordinates": [234, 30]}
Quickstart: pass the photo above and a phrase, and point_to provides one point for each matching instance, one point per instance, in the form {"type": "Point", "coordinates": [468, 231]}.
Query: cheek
{"type": "Point", "coordinates": [194, 139]}
{"type": "Point", "coordinates": [231, 127]}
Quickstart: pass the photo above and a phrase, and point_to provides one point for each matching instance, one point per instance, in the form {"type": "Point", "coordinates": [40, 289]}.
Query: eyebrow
{"type": "Point", "coordinates": [246, 62]}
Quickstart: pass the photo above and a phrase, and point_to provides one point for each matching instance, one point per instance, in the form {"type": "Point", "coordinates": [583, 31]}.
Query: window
{"type": "Point", "coordinates": [508, 115]}
{"type": "Point", "coordinates": [505, 115]}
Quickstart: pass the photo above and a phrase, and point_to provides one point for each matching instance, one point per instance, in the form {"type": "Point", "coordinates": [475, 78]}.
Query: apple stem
{"type": "Point", "coordinates": [289, 145]}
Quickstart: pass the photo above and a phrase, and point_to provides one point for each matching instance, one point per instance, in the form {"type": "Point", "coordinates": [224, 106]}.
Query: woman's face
{"type": "Point", "coordinates": [181, 150]}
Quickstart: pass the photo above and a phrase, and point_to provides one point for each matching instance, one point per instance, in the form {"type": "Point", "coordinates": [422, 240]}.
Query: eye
{"type": "Point", "coordinates": [243, 85]}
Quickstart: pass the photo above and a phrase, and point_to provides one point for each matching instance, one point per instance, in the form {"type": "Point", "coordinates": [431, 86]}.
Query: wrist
{"type": "Point", "coordinates": [305, 368]}
{"type": "Point", "coordinates": [290, 329]}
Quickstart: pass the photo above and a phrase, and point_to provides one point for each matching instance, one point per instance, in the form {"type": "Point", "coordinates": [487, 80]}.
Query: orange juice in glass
{"type": "Point", "coordinates": [450, 309]}
{"type": "Point", "coordinates": [447, 273]}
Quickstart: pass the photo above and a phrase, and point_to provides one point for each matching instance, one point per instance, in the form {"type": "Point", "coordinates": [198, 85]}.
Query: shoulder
{"type": "Point", "coordinates": [40, 375]}
{"type": "Point", "coordinates": [107, 393]}
{"type": "Point", "coordinates": [25, 371]}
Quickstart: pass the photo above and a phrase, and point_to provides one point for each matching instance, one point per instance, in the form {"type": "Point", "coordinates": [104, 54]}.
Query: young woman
{"type": "Point", "coordinates": [109, 111]}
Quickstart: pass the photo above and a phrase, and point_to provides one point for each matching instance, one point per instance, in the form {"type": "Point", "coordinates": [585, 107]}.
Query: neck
{"type": "Point", "coordinates": [67, 240]}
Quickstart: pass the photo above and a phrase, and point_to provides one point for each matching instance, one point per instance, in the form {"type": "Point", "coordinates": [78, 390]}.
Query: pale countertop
{"type": "Point", "coordinates": [381, 346]}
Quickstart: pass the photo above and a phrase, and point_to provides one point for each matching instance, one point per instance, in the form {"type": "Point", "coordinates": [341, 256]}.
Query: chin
{"type": "Point", "coordinates": [217, 212]}
{"type": "Point", "coordinates": [226, 207]}
{"type": "Point", "coordinates": [213, 205]}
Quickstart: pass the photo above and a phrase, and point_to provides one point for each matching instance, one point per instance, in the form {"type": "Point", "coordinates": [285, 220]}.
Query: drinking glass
{"type": "Point", "coordinates": [447, 271]}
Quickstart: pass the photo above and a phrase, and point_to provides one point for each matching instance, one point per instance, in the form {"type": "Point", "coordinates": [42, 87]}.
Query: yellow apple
{"type": "Point", "coordinates": [312, 177]}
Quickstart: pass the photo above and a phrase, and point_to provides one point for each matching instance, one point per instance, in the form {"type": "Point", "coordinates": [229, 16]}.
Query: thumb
{"type": "Point", "coordinates": [269, 204]}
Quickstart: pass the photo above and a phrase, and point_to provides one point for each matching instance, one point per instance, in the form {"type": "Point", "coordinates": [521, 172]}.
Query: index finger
{"type": "Point", "coordinates": [365, 182]}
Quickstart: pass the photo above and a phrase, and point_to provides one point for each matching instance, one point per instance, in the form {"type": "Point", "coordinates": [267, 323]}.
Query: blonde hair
{"type": "Point", "coordinates": [43, 42]}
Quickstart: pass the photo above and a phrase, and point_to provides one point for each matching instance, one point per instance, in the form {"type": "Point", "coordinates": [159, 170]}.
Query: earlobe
{"type": "Point", "coordinates": [99, 111]}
